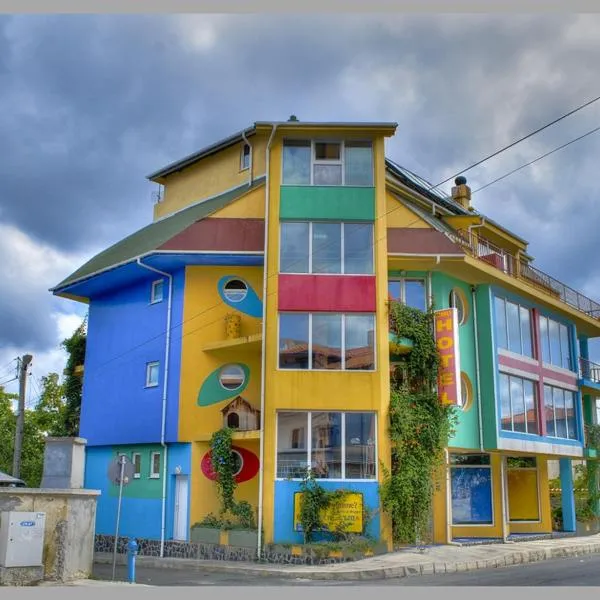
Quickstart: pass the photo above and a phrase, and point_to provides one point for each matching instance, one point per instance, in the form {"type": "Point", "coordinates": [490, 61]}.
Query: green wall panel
{"type": "Point", "coordinates": [144, 487]}
{"type": "Point", "coordinates": [336, 203]}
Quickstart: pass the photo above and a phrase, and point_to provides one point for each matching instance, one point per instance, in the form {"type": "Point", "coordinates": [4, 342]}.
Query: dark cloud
{"type": "Point", "coordinates": [91, 104]}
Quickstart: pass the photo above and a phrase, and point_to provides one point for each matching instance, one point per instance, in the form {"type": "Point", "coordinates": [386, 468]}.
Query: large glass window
{"type": "Point", "coordinates": [471, 487]}
{"type": "Point", "coordinates": [513, 327]}
{"type": "Point", "coordinates": [409, 291]}
{"type": "Point", "coordinates": [559, 407]}
{"type": "Point", "coordinates": [315, 341]}
{"type": "Point", "coordinates": [556, 348]}
{"type": "Point", "coordinates": [327, 163]}
{"type": "Point", "coordinates": [326, 248]}
{"type": "Point", "coordinates": [518, 404]}
{"type": "Point", "coordinates": [335, 445]}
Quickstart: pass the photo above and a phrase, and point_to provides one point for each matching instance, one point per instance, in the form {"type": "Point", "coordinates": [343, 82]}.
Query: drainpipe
{"type": "Point", "coordinates": [164, 402]}
{"type": "Point", "coordinates": [251, 165]}
{"type": "Point", "coordinates": [478, 383]}
{"type": "Point", "coordinates": [429, 291]}
{"type": "Point", "coordinates": [264, 344]}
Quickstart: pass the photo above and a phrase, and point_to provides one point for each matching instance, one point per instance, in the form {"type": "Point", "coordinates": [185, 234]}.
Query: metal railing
{"type": "Point", "coordinates": [589, 370]}
{"type": "Point", "coordinates": [481, 248]}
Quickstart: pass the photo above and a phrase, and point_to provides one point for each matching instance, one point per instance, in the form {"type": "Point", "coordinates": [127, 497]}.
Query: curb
{"type": "Point", "coordinates": [507, 559]}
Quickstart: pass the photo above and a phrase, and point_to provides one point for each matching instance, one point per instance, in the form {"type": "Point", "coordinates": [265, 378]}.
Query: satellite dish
{"type": "Point", "coordinates": [114, 470]}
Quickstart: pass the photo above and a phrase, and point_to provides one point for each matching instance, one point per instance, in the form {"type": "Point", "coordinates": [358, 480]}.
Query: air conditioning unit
{"type": "Point", "coordinates": [21, 539]}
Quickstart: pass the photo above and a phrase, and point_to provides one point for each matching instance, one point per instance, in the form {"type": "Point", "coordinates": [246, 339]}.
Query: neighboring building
{"type": "Point", "coordinates": [339, 228]}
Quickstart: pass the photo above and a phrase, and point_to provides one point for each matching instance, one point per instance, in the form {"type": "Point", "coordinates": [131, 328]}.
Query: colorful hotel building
{"type": "Point", "coordinates": [258, 299]}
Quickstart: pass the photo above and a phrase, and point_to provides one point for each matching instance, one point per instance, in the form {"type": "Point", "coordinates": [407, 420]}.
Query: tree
{"type": "Point", "coordinates": [75, 346]}
{"type": "Point", "coordinates": [7, 429]}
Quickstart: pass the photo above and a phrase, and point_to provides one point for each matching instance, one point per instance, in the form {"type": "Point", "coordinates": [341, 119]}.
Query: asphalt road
{"type": "Point", "coordinates": [584, 571]}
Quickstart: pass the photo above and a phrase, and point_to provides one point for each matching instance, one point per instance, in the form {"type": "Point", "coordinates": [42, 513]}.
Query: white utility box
{"type": "Point", "coordinates": [21, 539]}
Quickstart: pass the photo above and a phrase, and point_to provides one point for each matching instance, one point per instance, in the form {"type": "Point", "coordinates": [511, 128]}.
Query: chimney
{"type": "Point", "coordinates": [461, 192]}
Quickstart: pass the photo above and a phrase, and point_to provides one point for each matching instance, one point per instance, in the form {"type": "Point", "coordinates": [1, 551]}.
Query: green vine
{"type": "Point", "coordinates": [419, 427]}
{"type": "Point", "coordinates": [224, 467]}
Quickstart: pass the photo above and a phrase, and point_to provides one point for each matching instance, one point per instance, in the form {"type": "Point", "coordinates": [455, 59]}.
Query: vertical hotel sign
{"type": "Point", "coordinates": [446, 339]}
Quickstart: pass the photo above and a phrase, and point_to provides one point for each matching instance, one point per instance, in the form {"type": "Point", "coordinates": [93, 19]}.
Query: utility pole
{"type": "Point", "coordinates": [23, 364]}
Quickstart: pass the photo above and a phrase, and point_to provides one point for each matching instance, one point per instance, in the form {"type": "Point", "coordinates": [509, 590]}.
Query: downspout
{"type": "Point", "coordinates": [264, 344]}
{"type": "Point", "coordinates": [164, 403]}
{"type": "Point", "coordinates": [478, 383]}
{"type": "Point", "coordinates": [251, 165]}
{"type": "Point", "coordinates": [429, 291]}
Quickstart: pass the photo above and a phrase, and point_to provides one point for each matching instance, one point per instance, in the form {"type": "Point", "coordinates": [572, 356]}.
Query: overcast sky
{"type": "Point", "coordinates": [90, 105]}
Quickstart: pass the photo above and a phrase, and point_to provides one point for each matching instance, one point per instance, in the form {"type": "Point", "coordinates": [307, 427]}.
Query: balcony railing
{"type": "Point", "coordinates": [589, 370]}
{"type": "Point", "coordinates": [488, 252]}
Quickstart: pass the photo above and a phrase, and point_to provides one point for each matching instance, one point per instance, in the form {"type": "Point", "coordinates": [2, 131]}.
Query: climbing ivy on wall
{"type": "Point", "coordinates": [419, 427]}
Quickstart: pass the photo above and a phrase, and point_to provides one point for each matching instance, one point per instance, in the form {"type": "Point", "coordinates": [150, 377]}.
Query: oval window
{"type": "Point", "coordinates": [238, 463]}
{"type": "Point", "coordinates": [235, 290]}
{"type": "Point", "coordinates": [458, 300]}
{"type": "Point", "coordinates": [466, 392]}
{"type": "Point", "coordinates": [232, 377]}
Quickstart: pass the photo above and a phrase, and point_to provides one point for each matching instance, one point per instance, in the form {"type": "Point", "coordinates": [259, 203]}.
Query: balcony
{"type": "Point", "coordinates": [482, 249]}
{"type": "Point", "coordinates": [589, 376]}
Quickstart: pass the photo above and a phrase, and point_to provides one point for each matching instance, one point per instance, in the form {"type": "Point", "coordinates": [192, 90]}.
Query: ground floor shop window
{"type": "Point", "coordinates": [471, 486]}
{"type": "Point", "coordinates": [334, 445]}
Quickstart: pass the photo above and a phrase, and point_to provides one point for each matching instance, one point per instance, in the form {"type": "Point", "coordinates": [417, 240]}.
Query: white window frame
{"type": "Point", "coordinates": [155, 474]}
{"type": "Point", "coordinates": [564, 391]}
{"type": "Point", "coordinates": [342, 369]}
{"type": "Point", "coordinates": [342, 247]}
{"type": "Point", "coordinates": [243, 167]}
{"type": "Point", "coordinates": [149, 367]}
{"type": "Point", "coordinates": [309, 448]}
{"type": "Point", "coordinates": [536, 403]}
{"type": "Point", "coordinates": [341, 161]}
{"type": "Point", "coordinates": [402, 281]}
{"type": "Point", "coordinates": [521, 353]}
{"type": "Point", "coordinates": [153, 297]}
{"type": "Point", "coordinates": [597, 410]}
{"type": "Point", "coordinates": [136, 474]}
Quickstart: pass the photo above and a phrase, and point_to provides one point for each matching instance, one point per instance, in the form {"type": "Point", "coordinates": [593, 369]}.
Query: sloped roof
{"type": "Point", "coordinates": [156, 234]}
{"type": "Point", "coordinates": [6, 479]}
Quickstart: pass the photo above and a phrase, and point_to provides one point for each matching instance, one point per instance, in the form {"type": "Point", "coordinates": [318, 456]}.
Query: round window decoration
{"type": "Point", "coordinates": [246, 465]}
{"type": "Point", "coordinates": [235, 290]}
{"type": "Point", "coordinates": [238, 462]}
{"type": "Point", "coordinates": [232, 377]}
{"type": "Point", "coordinates": [458, 300]}
{"type": "Point", "coordinates": [466, 392]}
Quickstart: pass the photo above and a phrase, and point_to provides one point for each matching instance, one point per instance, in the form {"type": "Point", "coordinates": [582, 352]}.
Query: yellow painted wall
{"type": "Point", "coordinates": [522, 501]}
{"type": "Point", "coordinates": [316, 390]}
{"type": "Point", "coordinates": [210, 176]}
{"type": "Point", "coordinates": [204, 498]}
{"type": "Point", "coordinates": [398, 215]}
{"type": "Point", "coordinates": [249, 206]}
{"type": "Point", "coordinates": [204, 322]}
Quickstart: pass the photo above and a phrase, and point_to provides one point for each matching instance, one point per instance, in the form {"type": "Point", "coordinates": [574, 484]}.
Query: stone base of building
{"type": "Point", "coordinates": [21, 575]}
{"type": "Point", "coordinates": [289, 554]}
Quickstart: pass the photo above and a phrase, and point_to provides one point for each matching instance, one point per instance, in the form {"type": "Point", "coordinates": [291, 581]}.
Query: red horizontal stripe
{"type": "Point", "coordinates": [327, 293]}
{"type": "Point", "coordinates": [515, 363]}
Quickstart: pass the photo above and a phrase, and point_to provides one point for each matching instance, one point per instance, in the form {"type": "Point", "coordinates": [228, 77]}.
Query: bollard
{"type": "Point", "coordinates": [132, 550]}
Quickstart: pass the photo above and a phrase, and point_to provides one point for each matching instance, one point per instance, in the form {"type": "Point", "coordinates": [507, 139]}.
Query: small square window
{"type": "Point", "coordinates": [156, 295]}
{"type": "Point", "coordinates": [152, 374]}
{"type": "Point", "coordinates": [136, 459]}
{"type": "Point", "coordinates": [245, 158]}
{"type": "Point", "coordinates": [155, 465]}
{"type": "Point", "coordinates": [328, 151]}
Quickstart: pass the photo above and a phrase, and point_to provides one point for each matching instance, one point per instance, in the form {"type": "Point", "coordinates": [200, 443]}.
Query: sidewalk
{"type": "Point", "coordinates": [436, 559]}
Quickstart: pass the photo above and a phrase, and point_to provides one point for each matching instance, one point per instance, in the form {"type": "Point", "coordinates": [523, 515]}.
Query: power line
{"type": "Point", "coordinates": [517, 142]}
{"type": "Point", "coordinates": [595, 130]}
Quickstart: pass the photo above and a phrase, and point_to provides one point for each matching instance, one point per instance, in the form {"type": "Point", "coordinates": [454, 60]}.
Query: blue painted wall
{"type": "Point", "coordinates": [140, 517]}
{"type": "Point", "coordinates": [125, 332]}
{"type": "Point", "coordinates": [284, 507]}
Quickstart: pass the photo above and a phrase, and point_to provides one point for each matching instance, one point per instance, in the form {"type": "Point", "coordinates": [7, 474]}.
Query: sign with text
{"type": "Point", "coordinates": [346, 515]}
{"type": "Point", "coordinates": [446, 339]}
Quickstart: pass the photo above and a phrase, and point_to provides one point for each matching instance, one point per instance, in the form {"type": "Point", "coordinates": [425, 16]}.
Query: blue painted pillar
{"type": "Point", "coordinates": [567, 495]}
{"type": "Point", "coordinates": [584, 350]}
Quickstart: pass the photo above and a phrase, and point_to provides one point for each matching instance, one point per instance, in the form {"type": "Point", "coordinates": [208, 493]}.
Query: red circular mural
{"type": "Point", "coordinates": [247, 471]}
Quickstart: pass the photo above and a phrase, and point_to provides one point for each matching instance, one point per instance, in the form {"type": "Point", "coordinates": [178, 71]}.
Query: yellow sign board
{"type": "Point", "coordinates": [347, 515]}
